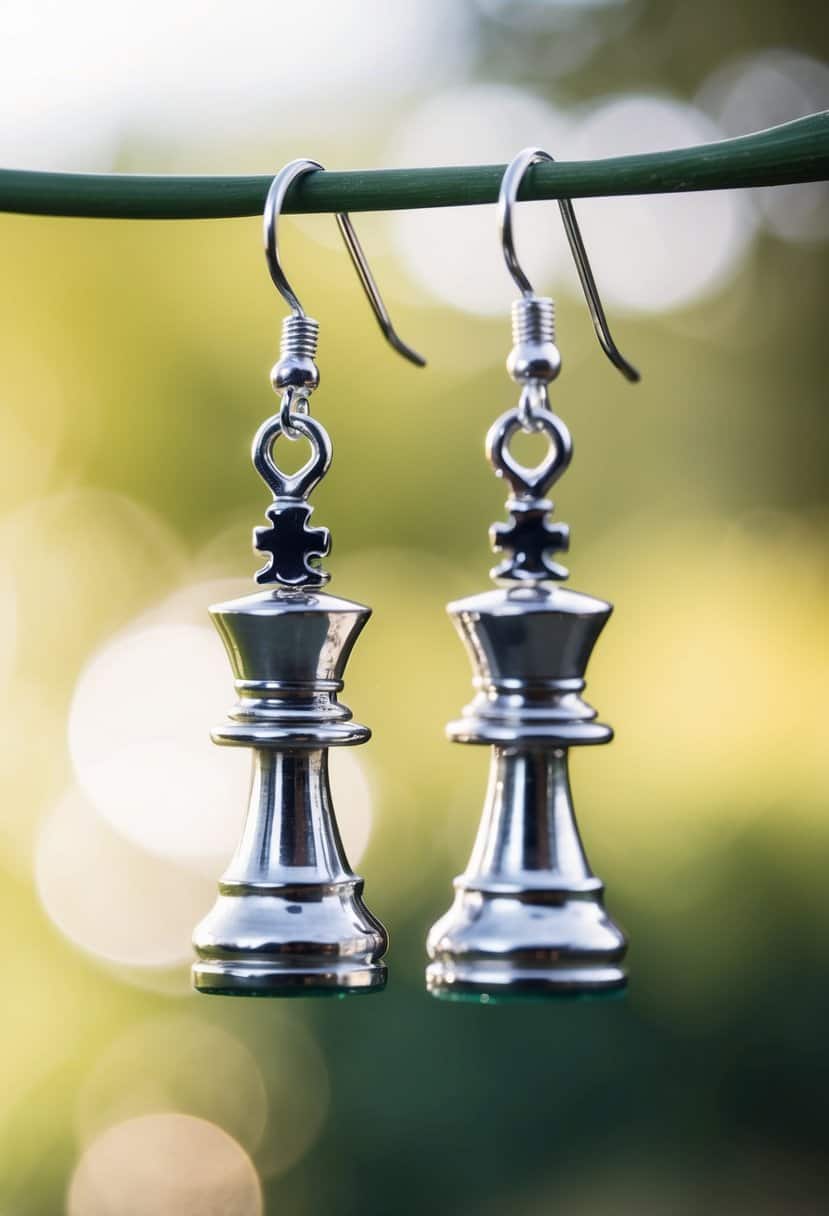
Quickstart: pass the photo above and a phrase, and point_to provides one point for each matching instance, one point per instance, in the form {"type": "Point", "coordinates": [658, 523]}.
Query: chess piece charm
{"type": "Point", "coordinates": [528, 917]}
{"type": "Point", "coordinates": [290, 918]}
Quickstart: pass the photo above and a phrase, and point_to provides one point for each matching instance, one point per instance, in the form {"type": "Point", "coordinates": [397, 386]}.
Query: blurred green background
{"type": "Point", "coordinates": [134, 365]}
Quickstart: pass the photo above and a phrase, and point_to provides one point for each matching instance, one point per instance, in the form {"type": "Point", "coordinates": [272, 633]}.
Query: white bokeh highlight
{"type": "Point", "coordinates": [161, 1164]}
{"type": "Point", "coordinates": [559, 36]}
{"type": "Point", "coordinates": [139, 740]}
{"type": "Point", "coordinates": [453, 252]}
{"type": "Point", "coordinates": [8, 620]}
{"type": "Point", "coordinates": [275, 1105]}
{"type": "Point", "coordinates": [761, 90]}
{"type": "Point", "coordinates": [119, 904]}
{"type": "Point", "coordinates": [175, 1063]}
{"type": "Point", "coordinates": [654, 253]}
{"type": "Point", "coordinates": [353, 798]}
{"type": "Point", "coordinates": [650, 253]}
{"type": "Point", "coordinates": [210, 73]}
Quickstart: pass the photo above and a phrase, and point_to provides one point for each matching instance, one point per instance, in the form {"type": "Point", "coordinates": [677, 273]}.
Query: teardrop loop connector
{"type": "Point", "coordinates": [525, 482]}
{"type": "Point", "coordinates": [301, 483]}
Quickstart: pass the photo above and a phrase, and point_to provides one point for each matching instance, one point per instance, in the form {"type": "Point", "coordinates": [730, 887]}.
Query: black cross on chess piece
{"type": "Point", "coordinates": [529, 540]}
{"type": "Point", "coordinates": [292, 546]}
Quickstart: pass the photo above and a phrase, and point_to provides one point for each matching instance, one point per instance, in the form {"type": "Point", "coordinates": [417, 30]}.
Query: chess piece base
{"type": "Point", "coordinates": [245, 979]}
{"type": "Point", "coordinates": [510, 945]}
{"type": "Point", "coordinates": [294, 941]}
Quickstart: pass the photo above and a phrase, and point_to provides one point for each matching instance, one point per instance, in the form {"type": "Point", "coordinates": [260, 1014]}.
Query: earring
{"type": "Point", "coordinates": [528, 916]}
{"type": "Point", "coordinates": [290, 918]}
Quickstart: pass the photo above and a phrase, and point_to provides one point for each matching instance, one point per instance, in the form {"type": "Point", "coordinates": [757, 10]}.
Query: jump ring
{"type": "Point", "coordinates": [301, 483]}
{"type": "Point", "coordinates": [525, 482]}
{"type": "Point", "coordinates": [290, 407]}
{"type": "Point", "coordinates": [533, 404]}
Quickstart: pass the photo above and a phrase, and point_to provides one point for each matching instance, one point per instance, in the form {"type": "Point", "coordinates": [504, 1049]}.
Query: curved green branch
{"type": "Point", "coordinates": [795, 152]}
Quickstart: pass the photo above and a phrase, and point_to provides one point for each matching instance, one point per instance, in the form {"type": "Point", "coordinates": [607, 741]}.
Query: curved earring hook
{"type": "Point", "coordinates": [273, 208]}
{"type": "Point", "coordinates": [510, 185]}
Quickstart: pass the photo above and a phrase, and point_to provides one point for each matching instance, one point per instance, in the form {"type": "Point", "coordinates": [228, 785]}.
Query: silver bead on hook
{"type": "Point", "coordinates": [273, 207]}
{"type": "Point", "coordinates": [296, 367]}
{"type": "Point", "coordinates": [507, 198]}
{"type": "Point", "coordinates": [534, 361]}
{"type": "Point", "coordinates": [534, 356]}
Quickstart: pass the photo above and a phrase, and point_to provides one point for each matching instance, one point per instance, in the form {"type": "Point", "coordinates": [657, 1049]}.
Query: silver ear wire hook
{"type": "Point", "coordinates": [273, 207]}
{"type": "Point", "coordinates": [510, 185]}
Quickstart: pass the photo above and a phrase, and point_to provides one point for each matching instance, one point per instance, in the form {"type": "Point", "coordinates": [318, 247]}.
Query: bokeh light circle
{"type": "Point", "coordinates": [80, 92]}
{"type": "Point", "coordinates": [353, 801]}
{"type": "Point", "coordinates": [175, 1063]}
{"type": "Point", "coordinates": [72, 541]}
{"type": "Point", "coordinates": [453, 253]}
{"type": "Point", "coordinates": [552, 38]}
{"type": "Point", "coordinates": [102, 580]}
{"type": "Point", "coordinates": [139, 741]}
{"type": "Point", "coordinates": [756, 91]}
{"type": "Point", "coordinates": [761, 90]}
{"type": "Point", "coordinates": [352, 781]}
{"type": "Point", "coordinates": [657, 252]}
{"type": "Point", "coordinates": [165, 1164]}
{"type": "Point", "coordinates": [297, 1085]}
{"type": "Point", "coordinates": [116, 902]}
{"type": "Point", "coordinates": [8, 621]}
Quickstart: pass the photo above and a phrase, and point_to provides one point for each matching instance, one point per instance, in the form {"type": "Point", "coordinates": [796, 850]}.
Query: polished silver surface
{"type": "Point", "coordinates": [293, 548]}
{"type": "Point", "coordinates": [530, 538]}
{"type": "Point", "coordinates": [510, 185]}
{"type": "Point", "coordinates": [528, 917]}
{"type": "Point", "coordinates": [534, 358]}
{"type": "Point", "coordinates": [381, 313]}
{"type": "Point", "coordinates": [527, 482]}
{"type": "Point", "coordinates": [273, 206]}
{"type": "Point", "coordinates": [296, 368]}
{"type": "Point", "coordinates": [301, 483]}
{"type": "Point", "coordinates": [290, 918]}
{"type": "Point", "coordinates": [529, 649]}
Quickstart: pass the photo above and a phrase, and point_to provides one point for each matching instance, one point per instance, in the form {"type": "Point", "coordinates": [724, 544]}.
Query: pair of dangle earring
{"type": "Point", "coordinates": [528, 916]}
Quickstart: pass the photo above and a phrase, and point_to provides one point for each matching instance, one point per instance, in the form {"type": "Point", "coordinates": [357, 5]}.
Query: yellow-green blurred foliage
{"type": "Point", "coordinates": [133, 372]}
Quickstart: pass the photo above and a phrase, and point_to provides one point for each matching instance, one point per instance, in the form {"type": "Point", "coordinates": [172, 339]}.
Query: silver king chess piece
{"type": "Point", "coordinates": [528, 918]}
{"type": "Point", "coordinates": [290, 918]}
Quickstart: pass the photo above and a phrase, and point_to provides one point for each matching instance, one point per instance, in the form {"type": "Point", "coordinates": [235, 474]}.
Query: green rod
{"type": "Point", "coordinates": [794, 152]}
